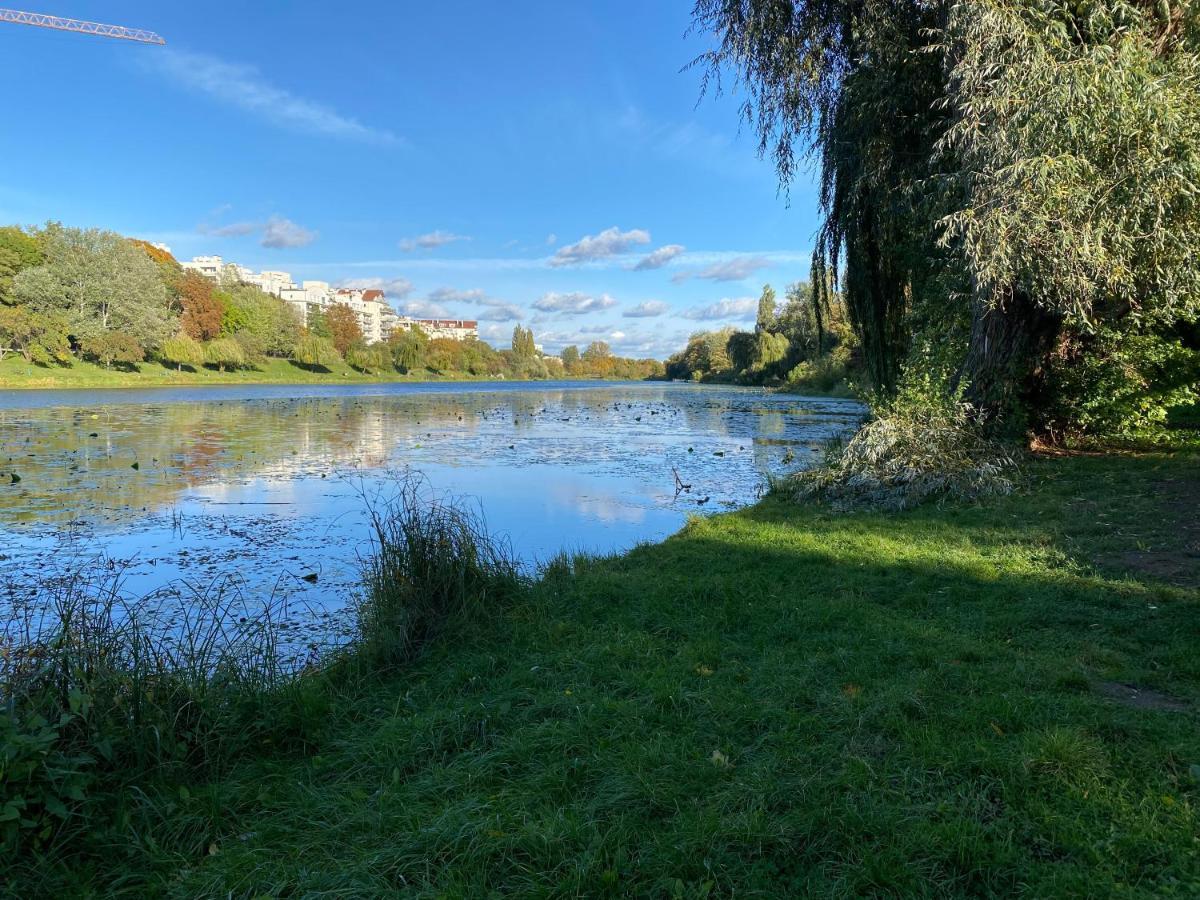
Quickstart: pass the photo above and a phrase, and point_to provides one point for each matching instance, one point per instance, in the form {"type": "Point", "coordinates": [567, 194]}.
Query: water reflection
{"type": "Point", "coordinates": [195, 485]}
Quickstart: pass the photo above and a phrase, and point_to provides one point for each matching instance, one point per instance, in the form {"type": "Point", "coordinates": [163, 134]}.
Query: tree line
{"type": "Point", "coordinates": [68, 294]}
{"type": "Point", "coordinates": [790, 345]}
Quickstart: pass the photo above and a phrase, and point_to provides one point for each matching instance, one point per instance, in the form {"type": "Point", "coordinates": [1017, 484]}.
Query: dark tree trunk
{"type": "Point", "coordinates": [1006, 358]}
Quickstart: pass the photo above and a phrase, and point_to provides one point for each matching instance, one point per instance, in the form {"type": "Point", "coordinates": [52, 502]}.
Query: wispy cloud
{"type": "Point", "coordinates": [573, 304]}
{"type": "Point", "coordinates": [430, 241]}
{"type": "Point", "coordinates": [393, 288]}
{"type": "Point", "coordinates": [659, 257]}
{"type": "Point", "coordinates": [735, 308]}
{"type": "Point", "coordinates": [647, 310]}
{"type": "Point", "coordinates": [735, 269]}
{"type": "Point", "coordinates": [454, 295]}
{"type": "Point", "coordinates": [281, 233]}
{"type": "Point", "coordinates": [607, 243]}
{"type": "Point", "coordinates": [233, 229]}
{"type": "Point", "coordinates": [246, 87]}
{"type": "Point", "coordinates": [495, 309]}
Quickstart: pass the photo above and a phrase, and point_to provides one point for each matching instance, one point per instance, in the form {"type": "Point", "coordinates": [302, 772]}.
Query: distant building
{"type": "Point", "coordinates": [208, 266]}
{"type": "Point", "coordinates": [454, 329]}
{"type": "Point", "coordinates": [377, 320]}
{"type": "Point", "coordinates": [273, 282]}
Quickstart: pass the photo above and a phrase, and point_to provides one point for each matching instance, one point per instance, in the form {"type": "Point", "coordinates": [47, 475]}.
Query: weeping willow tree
{"type": "Point", "coordinates": [1014, 182]}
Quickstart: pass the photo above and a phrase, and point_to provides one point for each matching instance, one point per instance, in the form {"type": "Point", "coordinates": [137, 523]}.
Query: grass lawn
{"type": "Point", "coordinates": [989, 700]}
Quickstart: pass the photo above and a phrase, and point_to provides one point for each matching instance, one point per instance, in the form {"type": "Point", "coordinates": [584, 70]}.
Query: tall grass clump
{"type": "Point", "coordinates": [432, 562]}
{"type": "Point", "coordinates": [97, 693]}
{"type": "Point", "coordinates": [924, 443]}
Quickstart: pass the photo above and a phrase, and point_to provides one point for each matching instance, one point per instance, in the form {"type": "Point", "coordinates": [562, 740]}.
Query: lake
{"type": "Point", "coordinates": [262, 491]}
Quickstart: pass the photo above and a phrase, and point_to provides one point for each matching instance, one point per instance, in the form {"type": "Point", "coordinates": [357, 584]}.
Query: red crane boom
{"type": "Point", "coordinates": [113, 31]}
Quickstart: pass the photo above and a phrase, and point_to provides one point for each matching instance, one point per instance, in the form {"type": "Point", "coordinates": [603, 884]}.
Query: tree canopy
{"type": "Point", "coordinates": [1013, 186]}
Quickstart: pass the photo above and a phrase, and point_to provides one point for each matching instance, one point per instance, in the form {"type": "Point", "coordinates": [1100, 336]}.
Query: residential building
{"type": "Point", "coordinates": [208, 266]}
{"type": "Point", "coordinates": [454, 329]}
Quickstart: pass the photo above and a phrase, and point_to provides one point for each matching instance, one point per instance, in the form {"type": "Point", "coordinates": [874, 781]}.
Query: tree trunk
{"type": "Point", "coordinates": [1006, 356]}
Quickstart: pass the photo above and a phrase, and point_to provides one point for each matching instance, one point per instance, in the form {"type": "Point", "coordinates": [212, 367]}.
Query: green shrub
{"type": "Point", "coordinates": [1121, 384]}
{"type": "Point", "coordinates": [315, 351]}
{"type": "Point", "coordinates": [224, 353]}
{"type": "Point", "coordinates": [924, 443]}
{"type": "Point", "coordinates": [182, 350]}
{"type": "Point", "coordinates": [111, 347]}
{"type": "Point", "coordinates": [42, 780]}
{"type": "Point", "coordinates": [103, 697]}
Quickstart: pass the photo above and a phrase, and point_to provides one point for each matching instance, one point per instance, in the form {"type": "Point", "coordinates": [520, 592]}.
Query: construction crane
{"type": "Point", "coordinates": [113, 31]}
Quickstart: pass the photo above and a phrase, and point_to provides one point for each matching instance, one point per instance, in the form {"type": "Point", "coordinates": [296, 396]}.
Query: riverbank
{"type": "Point", "coordinates": [992, 699]}
{"type": "Point", "coordinates": [16, 374]}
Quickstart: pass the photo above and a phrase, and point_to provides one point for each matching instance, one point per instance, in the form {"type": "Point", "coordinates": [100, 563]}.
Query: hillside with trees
{"type": "Point", "coordinates": [70, 296]}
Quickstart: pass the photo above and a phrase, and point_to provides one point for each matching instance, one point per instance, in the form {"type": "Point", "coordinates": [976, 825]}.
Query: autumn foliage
{"type": "Point", "coordinates": [203, 309]}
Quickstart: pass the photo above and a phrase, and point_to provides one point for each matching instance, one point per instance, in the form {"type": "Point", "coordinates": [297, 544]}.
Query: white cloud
{"type": "Point", "coordinates": [736, 269]}
{"type": "Point", "coordinates": [607, 243]}
{"type": "Point", "coordinates": [394, 288]}
{"type": "Point", "coordinates": [282, 233]}
{"type": "Point", "coordinates": [647, 310]}
{"type": "Point", "coordinates": [245, 87]}
{"type": "Point", "coordinates": [423, 309]}
{"type": "Point", "coordinates": [551, 239]}
{"type": "Point", "coordinates": [431, 241]}
{"type": "Point", "coordinates": [496, 310]}
{"type": "Point", "coordinates": [502, 312]}
{"type": "Point", "coordinates": [634, 344]}
{"type": "Point", "coordinates": [659, 257]}
{"type": "Point", "coordinates": [737, 308]}
{"type": "Point", "coordinates": [573, 304]}
{"type": "Point", "coordinates": [453, 295]}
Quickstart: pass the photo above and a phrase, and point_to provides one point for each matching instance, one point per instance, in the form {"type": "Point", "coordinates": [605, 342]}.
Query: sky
{"type": "Point", "coordinates": [538, 162]}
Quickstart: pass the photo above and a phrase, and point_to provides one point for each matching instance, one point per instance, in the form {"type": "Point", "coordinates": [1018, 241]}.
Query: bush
{"type": "Point", "coordinates": [182, 350]}
{"type": "Point", "coordinates": [113, 347]}
{"type": "Point", "coordinates": [1121, 385]}
{"type": "Point", "coordinates": [824, 374]}
{"type": "Point", "coordinates": [924, 443]}
{"type": "Point", "coordinates": [224, 352]}
{"type": "Point", "coordinates": [315, 352]}
{"type": "Point", "coordinates": [39, 338]}
{"type": "Point", "coordinates": [369, 359]}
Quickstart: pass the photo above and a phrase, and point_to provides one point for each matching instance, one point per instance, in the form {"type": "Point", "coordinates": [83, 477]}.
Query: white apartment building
{"type": "Point", "coordinates": [454, 329]}
{"type": "Point", "coordinates": [309, 294]}
{"type": "Point", "coordinates": [376, 319]}
{"type": "Point", "coordinates": [369, 307]}
{"type": "Point", "coordinates": [208, 266]}
{"type": "Point", "coordinates": [273, 282]}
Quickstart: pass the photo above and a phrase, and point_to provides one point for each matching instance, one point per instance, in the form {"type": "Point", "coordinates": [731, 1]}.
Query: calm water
{"type": "Point", "coordinates": [251, 489]}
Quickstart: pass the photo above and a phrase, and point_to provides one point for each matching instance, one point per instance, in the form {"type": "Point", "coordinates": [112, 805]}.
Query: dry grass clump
{"type": "Point", "coordinates": [925, 443]}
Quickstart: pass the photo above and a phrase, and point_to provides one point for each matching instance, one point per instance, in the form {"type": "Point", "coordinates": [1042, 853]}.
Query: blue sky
{"type": "Point", "coordinates": [536, 162]}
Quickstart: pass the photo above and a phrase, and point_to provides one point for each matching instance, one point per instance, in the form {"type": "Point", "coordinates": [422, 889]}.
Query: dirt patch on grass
{"type": "Point", "coordinates": [1178, 563]}
{"type": "Point", "coordinates": [1139, 697]}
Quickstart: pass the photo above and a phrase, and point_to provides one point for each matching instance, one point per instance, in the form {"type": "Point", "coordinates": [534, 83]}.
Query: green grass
{"type": "Point", "coordinates": [16, 373]}
{"type": "Point", "coordinates": [774, 702]}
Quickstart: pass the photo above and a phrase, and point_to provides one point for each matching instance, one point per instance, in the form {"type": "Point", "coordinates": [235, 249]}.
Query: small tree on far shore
{"type": "Point", "coordinates": [182, 350]}
{"type": "Point", "coordinates": [110, 347]}
{"type": "Point", "coordinates": [315, 351]}
{"type": "Point", "coordinates": [224, 352]}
